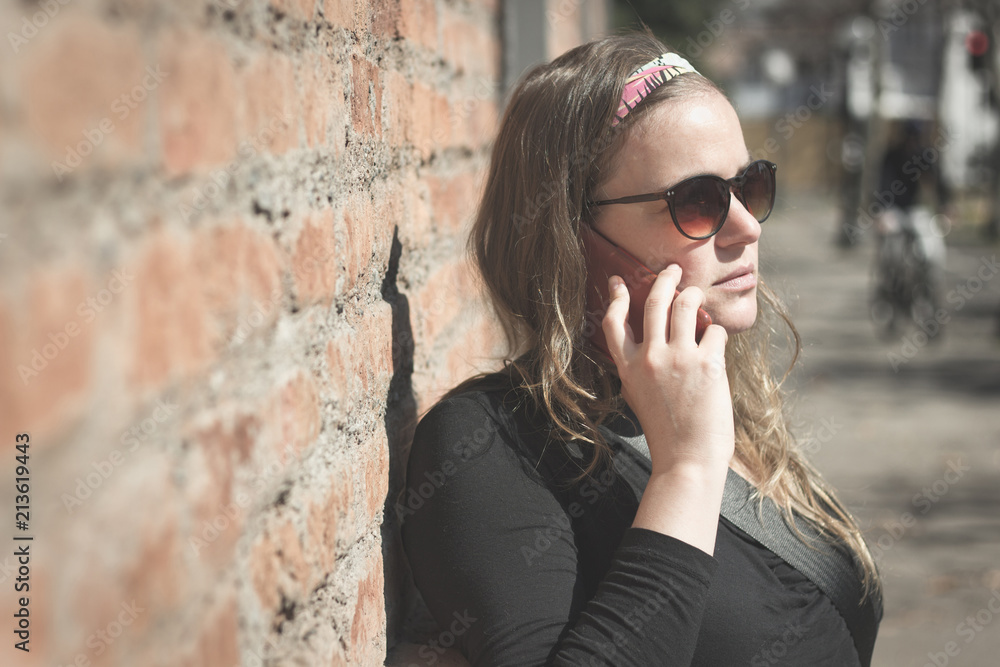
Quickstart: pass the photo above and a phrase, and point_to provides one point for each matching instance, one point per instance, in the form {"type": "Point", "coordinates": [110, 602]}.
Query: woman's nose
{"type": "Point", "coordinates": [740, 226]}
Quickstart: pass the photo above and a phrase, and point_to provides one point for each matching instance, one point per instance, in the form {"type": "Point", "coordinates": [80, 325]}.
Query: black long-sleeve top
{"type": "Point", "coordinates": [521, 566]}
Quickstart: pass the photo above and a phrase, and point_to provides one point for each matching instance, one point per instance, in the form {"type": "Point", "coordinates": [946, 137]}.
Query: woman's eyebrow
{"type": "Point", "coordinates": [682, 179]}
{"type": "Point", "coordinates": [739, 170]}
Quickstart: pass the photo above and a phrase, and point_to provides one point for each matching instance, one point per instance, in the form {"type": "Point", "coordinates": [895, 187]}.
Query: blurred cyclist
{"type": "Point", "coordinates": [910, 257]}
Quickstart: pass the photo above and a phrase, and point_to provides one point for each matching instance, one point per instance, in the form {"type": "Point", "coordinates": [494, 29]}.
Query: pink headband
{"type": "Point", "coordinates": [647, 78]}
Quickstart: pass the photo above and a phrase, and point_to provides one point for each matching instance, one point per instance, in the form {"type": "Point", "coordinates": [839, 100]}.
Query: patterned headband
{"type": "Point", "coordinates": [647, 78]}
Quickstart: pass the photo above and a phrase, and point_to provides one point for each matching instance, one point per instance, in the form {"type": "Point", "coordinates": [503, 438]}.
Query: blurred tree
{"type": "Point", "coordinates": [673, 22]}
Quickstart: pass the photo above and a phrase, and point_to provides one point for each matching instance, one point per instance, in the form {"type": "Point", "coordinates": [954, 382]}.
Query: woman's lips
{"type": "Point", "coordinates": [741, 279]}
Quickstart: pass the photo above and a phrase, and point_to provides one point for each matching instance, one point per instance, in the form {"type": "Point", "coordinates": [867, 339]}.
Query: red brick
{"type": "Point", "coordinates": [432, 376]}
{"type": "Point", "coordinates": [155, 576]}
{"type": "Point", "coordinates": [315, 260]}
{"type": "Point", "coordinates": [440, 300]}
{"type": "Point", "coordinates": [376, 363]}
{"type": "Point", "coordinates": [364, 14]}
{"type": "Point", "coordinates": [269, 113]}
{"type": "Point", "coordinates": [323, 522]}
{"type": "Point", "coordinates": [218, 643]}
{"type": "Point", "coordinates": [73, 77]}
{"type": "Point", "coordinates": [390, 215]}
{"type": "Point", "coordinates": [239, 273]}
{"type": "Point", "coordinates": [483, 122]}
{"type": "Point", "coordinates": [219, 514]}
{"type": "Point", "coordinates": [453, 29]}
{"type": "Point", "coordinates": [360, 360]}
{"type": "Point", "coordinates": [386, 20]}
{"type": "Point", "coordinates": [442, 121]}
{"type": "Point", "coordinates": [454, 200]}
{"type": "Point", "coordinates": [173, 336]}
{"type": "Point", "coordinates": [340, 365]}
{"type": "Point", "coordinates": [299, 413]}
{"type": "Point", "coordinates": [376, 475]}
{"type": "Point", "coordinates": [366, 96]}
{"type": "Point", "coordinates": [469, 46]}
{"type": "Point", "coordinates": [261, 267]}
{"type": "Point", "coordinates": [254, 260]}
{"type": "Point", "coordinates": [367, 641]}
{"type": "Point", "coordinates": [50, 352]}
{"type": "Point", "coordinates": [146, 564]}
{"type": "Point", "coordinates": [265, 572]}
{"type": "Point", "coordinates": [217, 253]}
{"type": "Point", "coordinates": [97, 599]}
{"type": "Point", "coordinates": [197, 102]}
{"type": "Point", "coordinates": [353, 15]}
{"type": "Point", "coordinates": [360, 232]}
{"type": "Point", "coordinates": [399, 108]}
{"type": "Point", "coordinates": [294, 557]}
{"type": "Point", "coordinates": [383, 345]}
{"type": "Point", "coordinates": [476, 350]}
{"type": "Point", "coordinates": [472, 117]}
{"type": "Point", "coordinates": [215, 534]}
{"type": "Point", "coordinates": [415, 233]}
{"type": "Point", "coordinates": [322, 103]}
{"type": "Point", "coordinates": [418, 22]}
{"type": "Point", "coordinates": [423, 122]}
{"type": "Point", "coordinates": [340, 13]}
{"type": "Point", "coordinates": [278, 567]}
{"type": "Point", "coordinates": [340, 115]}
{"type": "Point", "coordinates": [345, 371]}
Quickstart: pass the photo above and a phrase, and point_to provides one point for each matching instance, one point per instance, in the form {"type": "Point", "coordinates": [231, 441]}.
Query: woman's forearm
{"type": "Point", "coordinates": [684, 501]}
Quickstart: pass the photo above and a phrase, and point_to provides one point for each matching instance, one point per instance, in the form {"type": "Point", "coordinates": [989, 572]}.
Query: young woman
{"type": "Point", "coordinates": [567, 508]}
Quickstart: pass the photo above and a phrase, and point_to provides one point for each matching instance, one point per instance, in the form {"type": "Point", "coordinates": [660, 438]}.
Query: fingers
{"type": "Point", "coordinates": [713, 343]}
{"type": "Point", "coordinates": [617, 332]}
{"type": "Point", "coordinates": [683, 314]}
{"type": "Point", "coordinates": [669, 316]}
{"type": "Point", "coordinates": [654, 314]}
{"type": "Point", "coordinates": [715, 337]}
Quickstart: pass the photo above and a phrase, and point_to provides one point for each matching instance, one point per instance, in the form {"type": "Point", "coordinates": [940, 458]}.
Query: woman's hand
{"type": "Point", "coordinates": [679, 391]}
{"type": "Point", "coordinates": [677, 388]}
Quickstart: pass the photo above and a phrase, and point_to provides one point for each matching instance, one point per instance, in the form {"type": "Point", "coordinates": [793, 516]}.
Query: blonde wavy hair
{"type": "Point", "coordinates": [556, 144]}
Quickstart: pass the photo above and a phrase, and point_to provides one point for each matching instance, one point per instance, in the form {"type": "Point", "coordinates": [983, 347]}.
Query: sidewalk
{"type": "Point", "coordinates": [909, 433]}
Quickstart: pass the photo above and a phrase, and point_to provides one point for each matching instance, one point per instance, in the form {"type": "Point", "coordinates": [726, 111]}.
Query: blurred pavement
{"type": "Point", "coordinates": [913, 451]}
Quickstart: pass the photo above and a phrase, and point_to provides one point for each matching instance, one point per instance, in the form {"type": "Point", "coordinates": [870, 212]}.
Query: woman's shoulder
{"type": "Point", "coordinates": [475, 417]}
{"type": "Point", "coordinates": [470, 457]}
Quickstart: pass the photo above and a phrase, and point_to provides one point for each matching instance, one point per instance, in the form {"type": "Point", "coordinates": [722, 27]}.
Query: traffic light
{"type": "Point", "coordinates": [977, 43]}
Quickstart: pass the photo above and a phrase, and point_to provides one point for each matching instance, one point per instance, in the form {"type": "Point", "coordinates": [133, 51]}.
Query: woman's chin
{"type": "Point", "coordinates": [736, 317]}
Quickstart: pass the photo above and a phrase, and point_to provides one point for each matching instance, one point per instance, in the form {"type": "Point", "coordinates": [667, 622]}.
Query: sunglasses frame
{"type": "Point", "coordinates": [734, 185]}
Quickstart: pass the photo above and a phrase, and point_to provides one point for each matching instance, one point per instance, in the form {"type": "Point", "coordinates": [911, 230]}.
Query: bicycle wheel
{"type": "Point", "coordinates": [884, 299]}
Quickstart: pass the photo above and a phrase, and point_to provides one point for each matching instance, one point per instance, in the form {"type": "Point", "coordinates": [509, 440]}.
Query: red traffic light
{"type": "Point", "coordinates": [977, 43]}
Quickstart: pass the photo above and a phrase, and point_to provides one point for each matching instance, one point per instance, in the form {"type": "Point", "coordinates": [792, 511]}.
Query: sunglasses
{"type": "Point", "coordinates": [699, 205]}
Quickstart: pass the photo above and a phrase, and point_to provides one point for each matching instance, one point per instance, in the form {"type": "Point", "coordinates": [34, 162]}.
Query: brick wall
{"type": "Point", "coordinates": [232, 276]}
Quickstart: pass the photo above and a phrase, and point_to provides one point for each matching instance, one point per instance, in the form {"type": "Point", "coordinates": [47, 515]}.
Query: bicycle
{"type": "Point", "coordinates": [907, 271]}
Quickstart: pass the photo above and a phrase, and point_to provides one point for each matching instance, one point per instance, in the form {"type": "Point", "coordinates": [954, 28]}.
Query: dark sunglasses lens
{"type": "Point", "coordinates": [758, 190]}
{"type": "Point", "coordinates": [700, 205]}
